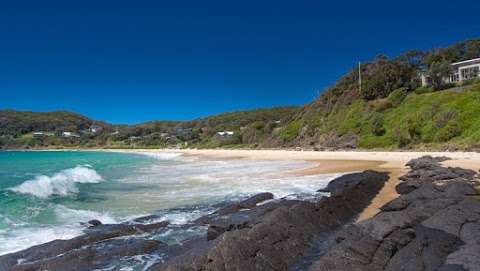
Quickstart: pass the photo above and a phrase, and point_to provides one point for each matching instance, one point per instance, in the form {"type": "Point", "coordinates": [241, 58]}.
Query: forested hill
{"type": "Point", "coordinates": [390, 111]}
{"type": "Point", "coordinates": [19, 129]}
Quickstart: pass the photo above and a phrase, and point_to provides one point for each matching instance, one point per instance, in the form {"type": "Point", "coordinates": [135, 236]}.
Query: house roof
{"type": "Point", "coordinates": [466, 61]}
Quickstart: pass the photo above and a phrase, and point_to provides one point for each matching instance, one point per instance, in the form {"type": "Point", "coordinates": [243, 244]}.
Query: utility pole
{"type": "Point", "coordinates": [360, 76]}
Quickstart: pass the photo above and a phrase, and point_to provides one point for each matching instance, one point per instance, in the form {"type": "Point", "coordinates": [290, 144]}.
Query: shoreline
{"type": "Point", "coordinates": [339, 162]}
{"type": "Point", "coordinates": [327, 162]}
{"type": "Point", "coordinates": [347, 161]}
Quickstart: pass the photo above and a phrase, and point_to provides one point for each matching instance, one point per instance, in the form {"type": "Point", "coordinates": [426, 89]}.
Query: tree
{"type": "Point", "coordinates": [437, 72]}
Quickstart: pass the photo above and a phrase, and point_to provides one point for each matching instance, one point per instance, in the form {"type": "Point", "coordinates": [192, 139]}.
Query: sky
{"type": "Point", "coordinates": [135, 61]}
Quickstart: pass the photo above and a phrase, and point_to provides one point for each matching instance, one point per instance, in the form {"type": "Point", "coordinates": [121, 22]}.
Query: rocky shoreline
{"type": "Point", "coordinates": [433, 225]}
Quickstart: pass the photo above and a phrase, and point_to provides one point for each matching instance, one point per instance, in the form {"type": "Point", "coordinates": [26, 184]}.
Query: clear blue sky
{"type": "Point", "coordinates": [132, 61]}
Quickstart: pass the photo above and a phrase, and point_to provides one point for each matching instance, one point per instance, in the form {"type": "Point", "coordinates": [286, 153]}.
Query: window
{"type": "Point", "coordinates": [470, 73]}
{"type": "Point", "coordinates": [454, 77]}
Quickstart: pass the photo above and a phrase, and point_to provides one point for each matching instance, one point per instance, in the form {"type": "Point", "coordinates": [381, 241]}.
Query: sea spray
{"type": "Point", "coordinates": [61, 183]}
{"type": "Point", "coordinates": [163, 155]}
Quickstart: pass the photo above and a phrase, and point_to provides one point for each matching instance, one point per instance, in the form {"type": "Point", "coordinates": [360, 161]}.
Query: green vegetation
{"type": "Point", "coordinates": [291, 131]}
{"type": "Point", "coordinates": [411, 121]}
{"type": "Point", "coordinates": [249, 127]}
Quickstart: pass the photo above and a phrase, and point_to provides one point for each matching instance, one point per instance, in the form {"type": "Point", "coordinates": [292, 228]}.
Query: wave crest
{"type": "Point", "coordinates": [61, 183]}
{"type": "Point", "coordinates": [163, 155]}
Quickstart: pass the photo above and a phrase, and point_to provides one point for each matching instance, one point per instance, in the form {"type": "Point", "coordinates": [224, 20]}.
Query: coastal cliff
{"type": "Point", "coordinates": [432, 225]}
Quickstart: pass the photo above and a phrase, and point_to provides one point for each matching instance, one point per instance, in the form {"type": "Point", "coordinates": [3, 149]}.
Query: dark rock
{"type": "Point", "coordinates": [151, 227]}
{"type": "Point", "coordinates": [407, 187]}
{"type": "Point", "coordinates": [273, 236]}
{"type": "Point", "coordinates": [433, 225]}
{"type": "Point", "coordinates": [80, 246]}
{"type": "Point", "coordinates": [427, 251]}
{"type": "Point", "coordinates": [94, 222]}
{"type": "Point", "coordinates": [426, 162]}
{"type": "Point", "coordinates": [145, 219]}
{"type": "Point", "coordinates": [214, 231]}
{"type": "Point", "coordinates": [347, 141]}
{"type": "Point", "coordinates": [235, 207]}
{"type": "Point", "coordinates": [347, 181]}
{"type": "Point", "coordinates": [93, 256]}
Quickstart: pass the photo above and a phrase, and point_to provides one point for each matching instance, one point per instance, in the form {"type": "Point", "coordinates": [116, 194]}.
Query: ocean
{"type": "Point", "coordinates": [49, 195]}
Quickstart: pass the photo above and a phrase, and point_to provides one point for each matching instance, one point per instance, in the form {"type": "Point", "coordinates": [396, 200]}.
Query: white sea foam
{"type": "Point", "coordinates": [21, 238]}
{"type": "Point", "coordinates": [61, 183]}
{"type": "Point", "coordinates": [163, 155]}
{"type": "Point", "coordinates": [67, 226]}
{"type": "Point", "coordinates": [67, 215]}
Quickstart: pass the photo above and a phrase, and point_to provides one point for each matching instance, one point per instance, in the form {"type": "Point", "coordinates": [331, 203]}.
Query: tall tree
{"type": "Point", "coordinates": [438, 71]}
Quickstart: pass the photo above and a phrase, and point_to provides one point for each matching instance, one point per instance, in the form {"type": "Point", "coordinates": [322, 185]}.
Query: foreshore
{"type": "Point", "coordinates": [341, 161]}
{"type": "Point", "coordinates": [330, 162]}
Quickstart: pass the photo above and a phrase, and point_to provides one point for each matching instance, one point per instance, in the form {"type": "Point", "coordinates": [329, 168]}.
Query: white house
{"type": "Point", "coordinates": [95, 129]}
{"type": "Point", "coordinates": [462, 71]}
{"type": "Point", "coordinates": [69, 134]}
{"type": "Point", "coordinates": [225, 133]}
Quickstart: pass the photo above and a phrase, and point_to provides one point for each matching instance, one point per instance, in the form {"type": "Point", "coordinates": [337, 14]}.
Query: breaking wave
{"type": "Point", "coordinates": [61, 183]}
{"type": "Point", "coordinates": [163, 155]}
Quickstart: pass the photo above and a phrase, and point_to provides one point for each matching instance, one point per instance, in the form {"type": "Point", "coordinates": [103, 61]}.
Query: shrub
{"type": "Point", "coordinates": [445, 117]}
{"type": "Point", "coordinates": [423, 90]}
{"type": "Point", "coordinates": [383, 105]}
{"type": "Point", "coordinates": [258, 125]}
{"type": "Point", "coordinates": [414, 126]}
{"type": "Point", "coordinates": [291, 131]}
{"type": "Point", "coordinates": [447, 86]}
{"type": "Point", "coordinates": [377, 125]}
{"type": "Point", "coordinates": [401, 138]}
{"type": "Point", "coordinates": [471, 82]}
{"type": "Point", "coordinates": [451, 130]}
{"type": "Point", "coordinates": [397, 96]}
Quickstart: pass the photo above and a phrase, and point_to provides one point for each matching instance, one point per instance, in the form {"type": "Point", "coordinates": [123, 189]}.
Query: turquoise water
{"type": "Point", "coordinates": [34, 212]}
{"type": "Point", "coordinates": [47, 195]}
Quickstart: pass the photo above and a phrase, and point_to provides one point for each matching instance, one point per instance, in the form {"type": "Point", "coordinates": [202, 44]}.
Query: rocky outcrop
{"type": "Point", "coordinates": [276, 234]}
{"type": "Point", "coordinates": [335, 141]}
{"type": "Point", "coordinates": [98, 246]}
{"type": "Point", "coordinates": [433, 225]}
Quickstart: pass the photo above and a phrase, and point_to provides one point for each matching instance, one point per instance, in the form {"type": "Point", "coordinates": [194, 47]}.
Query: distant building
{"type": "Point", "coordinates": [70, 135]}
{"type": "Point", "coordinates": [462, 71]}
{"type": "Point", "coordinates": [224, 135]}
{"type": "Point", "coordinates": [95, 129]}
